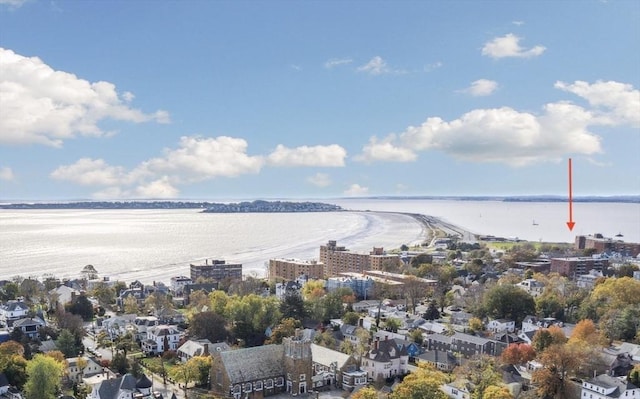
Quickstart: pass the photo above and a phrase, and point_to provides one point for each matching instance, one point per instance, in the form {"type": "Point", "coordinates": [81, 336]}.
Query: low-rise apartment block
{"type": "Point", "coordinates": [216, 270]}
{"type": "Point", "coordinates": [338, 259]}
{"type": "Point", "coordinates": [291, 269]}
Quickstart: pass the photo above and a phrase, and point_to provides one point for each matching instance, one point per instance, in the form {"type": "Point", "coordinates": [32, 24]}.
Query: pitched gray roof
{"type": "Point", "coordinates": [253, 363]}
{"type": "Point", "coordinates": [109, 389]}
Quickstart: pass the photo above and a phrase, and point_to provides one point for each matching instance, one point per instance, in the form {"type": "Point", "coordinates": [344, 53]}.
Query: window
{"type": "Point", "coordinates": [279, 381]}
{"type": "Point", "coordinates": [236, 388]}
{"type": "Point", "coordinates": [247, 387]}
{"type": "Point", "coordinates": [268, 384]}
{"type": "Point", "coordinates": [257, 386]}
{"type": "Point", "coordinates": [303, 377]}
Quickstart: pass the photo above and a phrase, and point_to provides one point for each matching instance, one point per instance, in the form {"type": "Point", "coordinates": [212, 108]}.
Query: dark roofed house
{"type": "Point", "coordinates": [125, 386]}
{"type": "Point", "coordinates": [605, 386]}
{"type": "Point", "coordinates": [385, 359]}
{"type": "Point", "coordinates": [263, 370]}
{"type": "Point", "coordinates": [442, 360]}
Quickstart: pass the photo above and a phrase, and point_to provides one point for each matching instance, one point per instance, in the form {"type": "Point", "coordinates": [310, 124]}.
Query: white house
{"type": "Point", "coordinates": [161, 338]}
{"type": "Point", "coordinates": [501, 325]}
{"type": "Point", "coordinates": [605, 387]}
{"type": "Point", "coordinates": [199, 347]}
{"type": "Point", "coordinates": [532, 286]}
{"type": "Point", "coordinates": [74, 373]}
{"type": "Point", "coordinates": [12, 311]}
{"type": "Point", "coordinates": [385, 359]}
{"type": "Point", "coordinates": [123, 387]}
{"type": "Point", "coordinates": [178, 283]}
{"type": "Point", "coordinates": [64, 294]}
{"type": "Point", "coordinates": [30, 326]}
{"type": "Point", "coordinates": [456, 390]}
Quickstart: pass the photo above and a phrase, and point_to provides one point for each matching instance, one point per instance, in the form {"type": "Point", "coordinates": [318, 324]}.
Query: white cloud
{"type": "Point", "coordinates": [518, 23]}
{"type": "Point", "coordinates": [356, 190]}
{"type": "Point", "coordinates": [6, 173]}
{"type": "Point", "coordinates": [320, 180]}
{"type": "Point", "coordinates": [385, 150]}
{"type": "Point", "coordinates": [13, 3]}
{"type": "Point", "coordinates": [618, 103]}
{"type": "Point", "coordinates": [325, 156]}
{"type": "Point", "coordinates": [90, 172]}
{"type": "Point", "coordinates": [509, 46]}
{"type": "Point", "coordinates": [199, 158]}
{"type": "Point", "coordinates": [43, 106]}
{"type": "Point", "coordinates": [432, 67]}
{"type": "Point", "coordinates": [375, 66]}
{"type": "Point", "coordinates": [160, 188]}
{"type": "Point", "coordinates": [335, 62]}
{"type": "Point", "coordinates": [194, 160]}
{"type": "Point", "coordinates": [481, 87]}
{"type": "Point", "coordinates": [518, 138]}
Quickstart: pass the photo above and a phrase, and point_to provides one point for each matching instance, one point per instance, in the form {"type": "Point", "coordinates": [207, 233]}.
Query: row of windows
{"type": "Point", "coordinates": [258, 385]}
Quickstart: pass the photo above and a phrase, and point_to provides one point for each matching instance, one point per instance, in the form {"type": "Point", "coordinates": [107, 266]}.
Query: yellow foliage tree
{"type": "Point", "coordinates": [423, 383]}
{"type": "Point", "coordinates": [496, 392]}
{"type": "Point", "coordinates": [365, 393]}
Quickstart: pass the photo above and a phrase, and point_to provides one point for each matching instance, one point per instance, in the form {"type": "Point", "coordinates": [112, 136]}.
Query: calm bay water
{"type": "Point", "coordinates": [157, 244]}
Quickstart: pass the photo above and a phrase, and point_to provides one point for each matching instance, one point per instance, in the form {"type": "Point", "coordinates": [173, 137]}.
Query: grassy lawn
{"type": "Point", "coordinates": [155, 364]}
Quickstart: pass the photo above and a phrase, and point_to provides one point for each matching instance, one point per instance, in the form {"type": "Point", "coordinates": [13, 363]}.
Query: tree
{"type": "Point", "coordinates": [392, 324]}
{"type": "Point", "coordinates": [45, 375]}
{"type": "Point", "coordinates": [423, 383]}
{"type": "Point", "coordinates": [621, 324]}
{"type": "Point", "coordinates": [66, 343]}
{"type": "Point", "coordinates": [286, 328]}
{"type": "Point", "coordinates": [158, 303]}
{"type": "Point", "coordinates": [558, 362]}
{"type": "Point", "coordinates": [550, 305]}
{"type": "Point", "coordinates": [9, 291]}
{"type": "Point", "coordinates": [82, 307]}
{"type": "Point", "coordinates": [208, 325]}
{"type": "Point", "coordinates": [365, 393]}
{"type": "Point", "coordinates": [119, 363]}
{"type": "Point", "coordinates": [195, 370]}
{"type": "Point", "coordinates": [105, 294]}
{"type": "Point", "coordinates": [415, 289]}
{"type": "Point", "coordinates": [351, 318]}
{"type": "Point", "coordinates": [518, 354]}
{"type": "Point", "coordinates": [613, 293]}
{"type": "Point", "coordinates": [432, 312]}
{"type": "Point", "coordinates": [586, 332]}
{"type": "Point", "coordinates": [326, 339]}
{"type": "Point", "coordinates": [508, 302]}
{"type": "Point", "coordinates": [293, 305]}
{"type": "Point", "coordinates": [496, 392]}
{"type": "Point", "coordinates": [545, 337]}
{"type": "Point", "coordinates": [475, 324]}
{"type": "Point", "coordinates": [130, 305]}
{"type": "Point", "coordinates": [626, 270]}
{"type": "Point", "coordinates": [634, 375]}
{"type": "Point", "coordinates": [199, 301]}
{"type": "Point", "coordinates": [15, 368]}
{"type": "Point", "coordinates": [482, 372]}
{"type": "Point", "coordinates": [332, 306]}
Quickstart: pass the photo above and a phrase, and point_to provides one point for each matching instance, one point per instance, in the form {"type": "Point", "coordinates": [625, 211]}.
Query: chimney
{"type": "Point", "coordinates": [206, 349]}
{"type": "Point", "coordinates": [386, 337]}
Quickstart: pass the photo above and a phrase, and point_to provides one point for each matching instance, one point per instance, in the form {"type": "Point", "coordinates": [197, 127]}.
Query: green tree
{"type": "Point", "coordinates": [15, 369]}
{"type": "Point", "coordinates": [44, 377]}
{"type": "Point", "coordinates": [508, 302]}
{"type": "Point", "coordinates": [120, 363]}
{"type": "Point", "coordinates": [293, 305]}
{"type": "Point", "coordinates": [482, 372]}
{"type": "Point", "coordinates": [66, 343]}
{"type": "Point", "coordinates": [82, 307]}
{"type": "Point", "coordinates": [545, 337]}
{"type": "Point", "coordinates": [105, 294]}
{"type": "Point", "coordinates": [286, 328]}
{"type": "Point", "coordinates": [208, 325]}
{"type": "Point", "coordinates": [130, 305]}
{"type": "Point", "coordinates": [392, 324]}
{"type": "Point", "coordinates": [351, 318]}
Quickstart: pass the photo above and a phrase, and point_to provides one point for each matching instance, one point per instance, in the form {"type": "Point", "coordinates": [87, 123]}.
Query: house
{"type": "Point", "coordinates": [63, 294]}
{"type": "Point", "coordinates": [501, 325]}
{"type": "Point", "coordinates": [465, 344]}
{"type": "Point", "coordinates": [532, 286]}
{"type": "Point", "coordinates": [261, 371]}
{"type": "Point", "coordinates": [199, 347]}
{"type": "Point", "coordinates": [117, 326]}
{"type": "Point", "coordinates": [29, 326]}
{"type": "Point", "coordinates": [412, 348]}
{"type": "Point", "coordinates": [178, 283]}
{"type": "Point", "coordinates": [533, 323]}
{"type": "Point", "coordinates": [348, 332]}
{"type": "Point", "coordinates": [445, 361]}
{"type": "Point", "coordinates": [75, 374]}
{"type": "Point", "coordinates": [333, 368]}
{"type": "Point", "coordinates": [122, 387]}
{"type": "Point", "coordinates": [12, 311]}
{"type": "Point", "coordinates": [457, 390]}
{"type": "Point", "coordinates": [385, 360]}
{"type": "Point", "coordinates": [142, 325]}
{"type": "Point", "coordinates": [161, 338]}
{"type": "Point", "coordinates": [460, 318]}
{"type": "Point", "coordinates": [604, 386]}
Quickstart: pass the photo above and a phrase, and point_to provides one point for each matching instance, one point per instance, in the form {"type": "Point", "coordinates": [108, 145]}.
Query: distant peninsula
{"type": "Point", "coordinates": [260, 206]}
{"type": "Point", "coordinates": [207, 207]}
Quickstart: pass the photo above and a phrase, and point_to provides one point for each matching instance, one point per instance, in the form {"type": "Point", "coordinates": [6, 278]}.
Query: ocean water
{"type": "Point", "coordinates": [157, 244]}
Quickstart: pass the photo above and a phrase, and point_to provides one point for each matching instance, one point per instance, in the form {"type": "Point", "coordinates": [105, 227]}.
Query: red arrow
{"type": "Point", "coordinates": [570, 223]}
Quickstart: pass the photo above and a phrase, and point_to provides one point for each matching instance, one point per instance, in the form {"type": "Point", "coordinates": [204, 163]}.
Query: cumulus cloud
{"type": "Point", "coordinates": [519, 138]}
{"type": "Point", "coordinates": [375, 66]}
{"type": "Point", "coordinates": [43, 106]}
{"type": "Point", "coordinates": [356, 190]}
{"type": "Point", "coordinates": [509, 46]}
{"type": "Point", "coordinates": [385, 150]}
{"type": "Point", "coordinates": [195, 159]}
{"type": "Point", "coordinates": [618, 103]}
{"type": "Point", "coordinates": [320, 180]}
{"type": "Point", "coordinates": [481, 87]}
{"type": "Point", "coordinates": [90, 172]}
{"type": "Point", "coordinates": [198, 158]}
{"type": "Point", "coordinates": [335, 62]}
{"type": "Point", "coordinates": [325, 156]}
{"type": "Point", "coordinates": [6, 173]}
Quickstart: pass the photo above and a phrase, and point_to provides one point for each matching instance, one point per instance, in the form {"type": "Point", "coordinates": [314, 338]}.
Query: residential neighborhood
{"type": "Point", "coordinates": [464, 323]}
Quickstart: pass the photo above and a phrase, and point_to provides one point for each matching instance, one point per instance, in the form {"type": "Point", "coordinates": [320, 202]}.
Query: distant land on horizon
{"type": "Point", "coordinates": [292, 205]}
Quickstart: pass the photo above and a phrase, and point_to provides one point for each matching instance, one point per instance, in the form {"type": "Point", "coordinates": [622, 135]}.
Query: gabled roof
{"type": "Point", "coordinates": [109, 389]}
{"type": "Point", "coordinates": [12, 306]}
{"type": "Point", "coordinates": [386, 351]}
{"type": "Point", "coordinates": [253, 363]}
{"type": "Point", "coordinates": [326, 356]}
{"type": "Point", "coordinates": [28, 322]}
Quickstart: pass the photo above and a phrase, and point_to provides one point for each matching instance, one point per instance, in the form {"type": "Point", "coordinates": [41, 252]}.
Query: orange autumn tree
{"type": "Point", "coordinates": [518, 354]}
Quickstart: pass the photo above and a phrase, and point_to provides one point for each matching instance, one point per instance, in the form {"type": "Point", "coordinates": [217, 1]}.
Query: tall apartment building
{"type": "Point", "coordinates": [291, 269]}
{"type": "Point", "coordinates": [216, 270]}
{"type": "Point", "coordinates": [338, 259]}
{"type": "Point", "coordinates": [576, 266]}
{"type": "Point", "coordinates": [603, 244]}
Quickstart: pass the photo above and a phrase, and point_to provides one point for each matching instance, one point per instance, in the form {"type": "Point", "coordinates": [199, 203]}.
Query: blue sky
{"type": "Point", "coordinates": [310, 99]}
